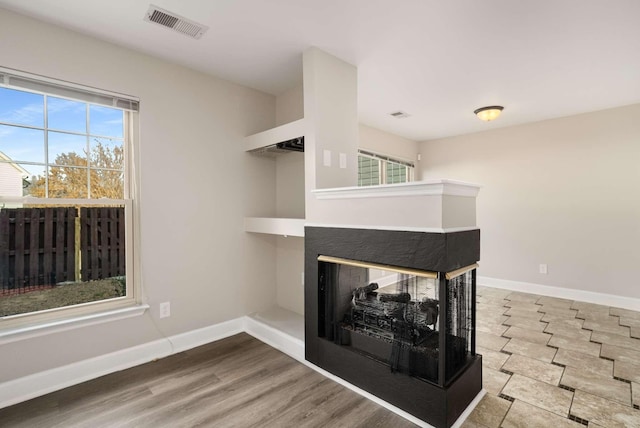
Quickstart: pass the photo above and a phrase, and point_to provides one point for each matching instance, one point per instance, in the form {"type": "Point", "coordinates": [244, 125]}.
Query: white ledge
{"type": "Point", "coordinates": [414, 188]}
{"type": "Point", "coordinates": [267, 138]}
{"type": "Point", "coordinates": [33, 330]}
{"type": "Point", "coordinates": [394, 228]}
{"type": "Point", "coordinates": [275, 226]}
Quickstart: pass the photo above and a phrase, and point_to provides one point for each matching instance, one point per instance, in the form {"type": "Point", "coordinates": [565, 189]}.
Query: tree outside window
{"type": "Point", "coordinates": [66, 243]}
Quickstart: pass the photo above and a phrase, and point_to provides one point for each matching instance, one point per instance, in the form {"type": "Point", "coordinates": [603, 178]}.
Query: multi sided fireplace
{"type": "Point", "coordinates": [393, 312]}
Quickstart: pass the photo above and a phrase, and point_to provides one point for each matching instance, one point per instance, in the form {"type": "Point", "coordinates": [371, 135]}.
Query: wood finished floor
{"type": "Point", "coordinates": [235, 382]}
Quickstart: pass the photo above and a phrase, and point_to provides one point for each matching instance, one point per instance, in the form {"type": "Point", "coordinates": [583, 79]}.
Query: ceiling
{"type": "Point", "coordinates": [435, 60]}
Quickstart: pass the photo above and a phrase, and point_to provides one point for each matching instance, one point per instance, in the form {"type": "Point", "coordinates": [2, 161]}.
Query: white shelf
{"type": "Point", "coordinates": [283, 320]}
{"type": "Point", "coordinates": [275, 226]}
{"type": "Point", "coordinates": [267, 138]}
{"type": "Point", "coordinates": [280, 329]}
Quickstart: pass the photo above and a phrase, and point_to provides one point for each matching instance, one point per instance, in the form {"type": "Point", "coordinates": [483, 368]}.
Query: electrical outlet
{"type": "Point", "coordinates": [543, 268]}
{"type": "Point", "coordinates": [165, 310]}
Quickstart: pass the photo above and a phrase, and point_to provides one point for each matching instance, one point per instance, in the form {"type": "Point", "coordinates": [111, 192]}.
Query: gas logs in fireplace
{"type": "Point", "coordinates": [396, 324]}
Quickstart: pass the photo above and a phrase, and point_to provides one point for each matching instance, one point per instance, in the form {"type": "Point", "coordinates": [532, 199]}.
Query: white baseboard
{"type": "Point", "coordinates": [37, 384]}
{"type": "Point", "coordinates": [398, 411]}
{"type": "Point", "coordinates": [295, 348]}
{"type": "Point", "coordinates": [563, 293]}
{"type": "Point", "coordinates": [275, 338]}
{"type": "Point", "coordinates": [464, 415]}
{"type": "Point", "coordinates": [202, 336]}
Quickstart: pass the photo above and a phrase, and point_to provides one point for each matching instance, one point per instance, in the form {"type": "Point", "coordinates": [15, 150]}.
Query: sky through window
{"type": "Point", "coordinates": [69, 126]}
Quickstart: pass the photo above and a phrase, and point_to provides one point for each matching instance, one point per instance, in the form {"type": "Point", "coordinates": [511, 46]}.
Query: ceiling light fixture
{"type": "Point", "coordinates": [488, 113]}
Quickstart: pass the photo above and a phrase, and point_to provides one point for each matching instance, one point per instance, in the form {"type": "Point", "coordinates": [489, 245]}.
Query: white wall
{"type": "Point", "coordinates": [259, 174]}
{"type": "Point", "coordinates": [562, 192]}
{"type": "Point", "coordinates": [331, 113]}
{"type": "Point", "coordinates": [290, 105]}
{"type": "Point", "coordinates": [290, 266]}
{"type": "Point", "coordinates": [193, 190]}
{"type": "Point", "coordinates": [290, 193]}
{"type": "Point", "coordinates": [384, 143]}
{"type": "Point", "coordinates": [290, 203]}
{"type": "Point", "coordinates": [290, 185]}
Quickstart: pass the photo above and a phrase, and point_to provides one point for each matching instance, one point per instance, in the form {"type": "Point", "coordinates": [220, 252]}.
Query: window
{"type": "Point", "coordinates": [65, 198]}
{"type": "Point", "coordinates": [368, 170]}
{"type": "Point", "coordinates": [374, 169]}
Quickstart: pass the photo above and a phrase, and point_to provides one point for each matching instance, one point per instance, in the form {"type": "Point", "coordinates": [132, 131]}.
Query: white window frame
{"type": "Point", "coordinates": [15, 327]}
{"type": "Point", "coordinates": [383, 160]}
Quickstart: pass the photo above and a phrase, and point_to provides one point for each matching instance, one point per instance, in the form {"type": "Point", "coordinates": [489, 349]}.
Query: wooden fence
{"type": "Point", "coordinates": [102, 242]}
{"type": "Point", "coordinates": [41, 247]}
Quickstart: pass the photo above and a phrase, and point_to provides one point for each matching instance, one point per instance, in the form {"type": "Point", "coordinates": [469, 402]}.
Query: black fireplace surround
{"type": "Point", "coordinates": [425, 362]}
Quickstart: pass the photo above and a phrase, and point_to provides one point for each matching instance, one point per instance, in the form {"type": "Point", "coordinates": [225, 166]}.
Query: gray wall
{"type": "Point", "coordinates": [193, 190]}
{"type": "Point", "coordinates": [562, 192]}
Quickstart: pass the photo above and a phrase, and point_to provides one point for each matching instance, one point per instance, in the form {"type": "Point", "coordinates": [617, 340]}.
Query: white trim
{"type": "Point", "coordinates": [368, 395]}
{"type": "Point", "coordinates": [63, 201]}
{"type": "Point", "coordinates": [61, 88]}
{"type": "Point", "coordinates": [275, 226]}
{"type": "Point", "coordinates": [9, 71]}
{"type": "Point", "coordinates": [202, 336]}
{"type": "Point", "coordinates": [37, 384]}
{"type": "Point", "coordinates": [413, 188]}
{"type": "Point", "coordinates": [464, 415]}
{"type": "Point", "coordinates": [295, 348]}
{"type": "Point", "coordinates": [408, 416]}
{"type": "Point", "coordinates": [26, 331]}
{"type": "Point", "coordinates": [276, 135]}
{"type": "Point", "coordinates": [387, 158]}
{"type": "Point", "coordinates": [396, 228]}
{"type": "Point", "coordinates": [630, 303]}
{"type": "Point", "coordinates": [275, 338]}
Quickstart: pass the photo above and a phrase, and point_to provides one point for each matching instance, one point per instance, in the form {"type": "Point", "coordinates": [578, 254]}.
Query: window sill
{"type": "Point", "coordinates": [14, 334]}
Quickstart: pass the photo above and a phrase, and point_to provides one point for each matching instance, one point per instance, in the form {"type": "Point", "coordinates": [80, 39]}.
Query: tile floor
{"type": "Point", "coordinates": [551, 362]}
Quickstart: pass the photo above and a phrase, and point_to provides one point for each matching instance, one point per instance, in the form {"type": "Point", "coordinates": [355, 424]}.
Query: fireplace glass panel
{"type": "Point", "coordinates": [459, 322]}
{"type": "Point", "coordinates": [395, 317]}
{"type": "Point", "coordinates": [388, 316]}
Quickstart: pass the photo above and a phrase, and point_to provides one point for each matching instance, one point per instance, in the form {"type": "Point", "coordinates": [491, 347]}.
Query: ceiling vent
{"type": "Point", "coordinates": [399, 114]}
{"type": "Point", "coordinates": [175, 22]}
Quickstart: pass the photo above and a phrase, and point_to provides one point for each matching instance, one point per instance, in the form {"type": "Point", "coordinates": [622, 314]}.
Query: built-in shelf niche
{"type": "Point", "coordinates": [272, 136]}
{"type": "Point", "coordinates": [275, 226]}
{"type": "Point", "coordinates": [258, 144]}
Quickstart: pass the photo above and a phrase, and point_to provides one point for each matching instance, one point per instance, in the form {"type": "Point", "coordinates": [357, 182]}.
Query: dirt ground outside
{"type": "Point", "coordinates": [62, 295]}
